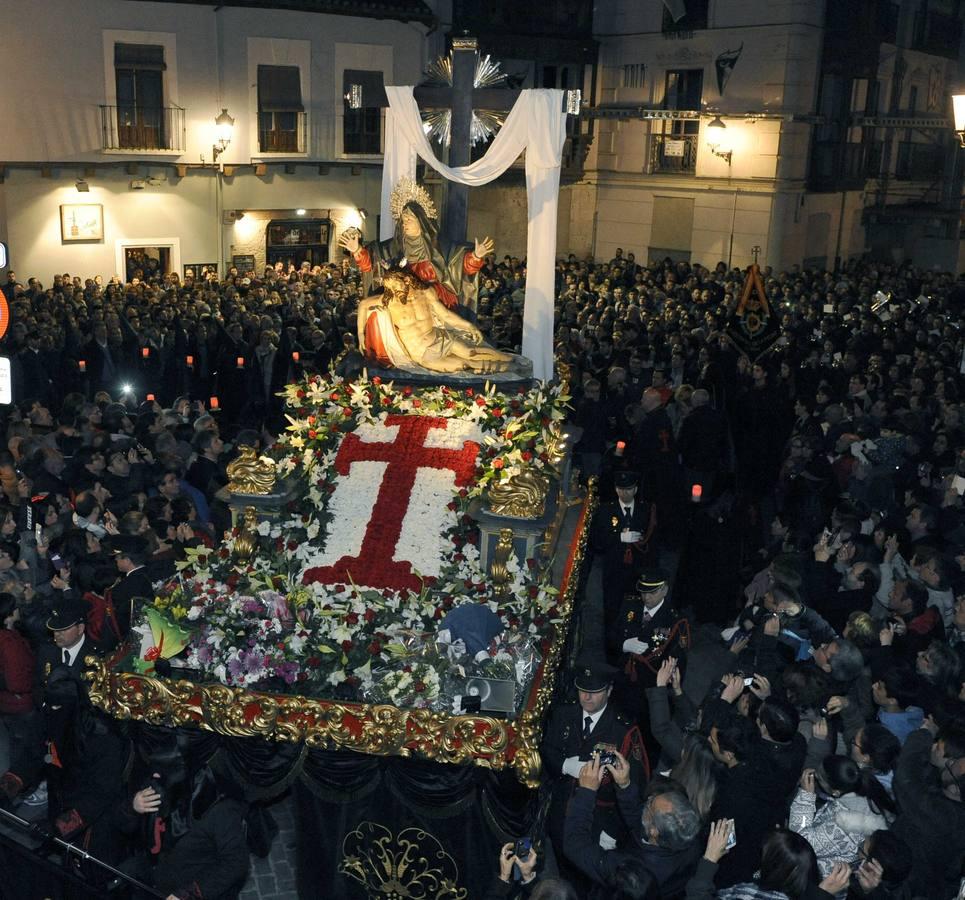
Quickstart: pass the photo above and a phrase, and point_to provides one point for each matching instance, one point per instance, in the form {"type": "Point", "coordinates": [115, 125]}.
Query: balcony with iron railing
{"type": "Point", "coordinates": [918, 162]}
{"type": "Point", "coordinates": [142, 128]}
{"type": "Point", "coordinates": [672, 154]}
{"type": "Point", "coordinates": [283, 132]}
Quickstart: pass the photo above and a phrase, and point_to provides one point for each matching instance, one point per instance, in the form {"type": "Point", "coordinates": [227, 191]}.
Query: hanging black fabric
{"type": "Point", "coordinates": [279, 89]}
{"type": "Point", "coordinates": [139, 56]}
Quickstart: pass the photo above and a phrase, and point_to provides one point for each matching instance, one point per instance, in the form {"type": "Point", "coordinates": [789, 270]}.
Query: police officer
{"type": "Point", "coordinates": [574, 733]}
{"type": "Point", "coordinates": [622, 536]}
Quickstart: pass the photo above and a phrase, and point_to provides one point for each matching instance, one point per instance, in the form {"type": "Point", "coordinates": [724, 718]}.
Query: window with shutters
{"type": "Point", "coordinates": [280, 110]}
{"type": "Point", "coordinates": [139, 81]}
{"type": "Point", "coordinates": [362, 126]}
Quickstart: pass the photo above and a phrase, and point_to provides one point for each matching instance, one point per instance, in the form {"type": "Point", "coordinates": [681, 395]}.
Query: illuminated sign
{"type": "Point", "coordinates": [3, 255]}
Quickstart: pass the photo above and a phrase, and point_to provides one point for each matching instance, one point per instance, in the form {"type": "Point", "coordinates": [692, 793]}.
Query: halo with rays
{"type": "Point", "coordinates": [485, 122]}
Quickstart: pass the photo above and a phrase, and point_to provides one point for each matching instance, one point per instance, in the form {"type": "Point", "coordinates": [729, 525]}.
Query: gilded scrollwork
{"type": "Point", "coordinates": [249, 473]}
{"type": "Point", "coordinates": [381, 730]}
{"type": "Point", "coordinates": [521, 496]}
{"type": "Point", "coordinates": [412, 864]}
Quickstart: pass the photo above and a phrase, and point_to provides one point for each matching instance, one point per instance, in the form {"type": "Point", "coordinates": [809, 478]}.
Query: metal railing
{"type": "Point", "coordinates": [673, 154]}
{"type": "Point", "coordinates": [142, 128]}
{"type": "Point", "coordinates": [281, 139]}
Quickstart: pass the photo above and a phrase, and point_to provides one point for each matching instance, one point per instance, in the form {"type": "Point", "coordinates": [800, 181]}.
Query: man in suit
{"type": "Point", "coordinates": [130, 555]}
{"type": "Point", "coordinates": [702, 442]}
{"type": "Point", "coordinates": [573, 735]}
{"type": "Point", "coordinates": [622, 536]}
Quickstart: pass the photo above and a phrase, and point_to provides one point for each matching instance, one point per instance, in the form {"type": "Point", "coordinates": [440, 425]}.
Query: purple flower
{"type": "Point", "coordinates": [250, 605]}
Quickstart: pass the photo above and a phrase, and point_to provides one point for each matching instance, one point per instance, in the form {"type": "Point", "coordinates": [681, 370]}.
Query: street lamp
{"type": "Point", "coordinates": [224, 130]}
{"type": "Point", "coordinates": [958, 113]}
{"type": "Point", "coordinates": [717, 139]}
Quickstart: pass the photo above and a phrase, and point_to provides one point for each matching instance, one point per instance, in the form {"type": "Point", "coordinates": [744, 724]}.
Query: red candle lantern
{"type": "Point", "coordinates": [695, 493]}
{"type": "Point", "coordinates": [82, 365]}
{"type": "Point", "coordinates": [621, 446]}
{"type": "Point", "coordinates": [145, 352]}
{"type": "Point", "coordinates": [213, 403]}
{"type": "Point", "coordinates": [150, 398]}
{"type": "Point", "coordinates": [241, 362]}
{"type": "Point", "coordinates": [189, 360]}
{"type": "Point", "coordinates": [295, 356]}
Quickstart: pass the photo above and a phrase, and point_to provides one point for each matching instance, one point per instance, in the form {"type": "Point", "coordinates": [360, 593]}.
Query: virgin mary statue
{"type": "Point", "coordinates": [453, 273]}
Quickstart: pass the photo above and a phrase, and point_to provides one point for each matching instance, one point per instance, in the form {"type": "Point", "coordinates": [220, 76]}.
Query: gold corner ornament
{"type": "Point", "coordinates": [411, 864]}
{"type": "Point", "coordinates": [376, 729]}
{"type": "Point", "coordinates": [521, 496]}
{"type": "Point", "coordinates": [498, 569]}
{"type": "Point", "coordinates": [247, 542]}
{"type": "Point", "coordinates": [249, 473]}
{"type": "Point", "coordinates": [556, 441]}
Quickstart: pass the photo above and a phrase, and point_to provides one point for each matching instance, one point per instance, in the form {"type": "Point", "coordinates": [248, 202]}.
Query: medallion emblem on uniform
{"type": "Point", "coordinates": [631, 616]}
{"type": "Point", "coordinates": [614, 521]}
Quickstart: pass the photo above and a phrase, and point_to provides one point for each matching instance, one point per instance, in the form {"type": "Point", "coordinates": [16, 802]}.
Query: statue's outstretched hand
{"type": "Point", "coordinates": [349, 240]}
{"type": "Point", "coordinates": [483, 247]}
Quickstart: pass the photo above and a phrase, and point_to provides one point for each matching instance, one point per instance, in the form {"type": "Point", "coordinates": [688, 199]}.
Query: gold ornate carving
{"type": "Point", "coordinates": [412, 864]}
{"type": "Point", "coordinates": [564, 375]}
{"type": "Point", "coordinates": [247, 542]}
{"type": "Point", "coordinates": [521, 496]}
{"type": "Point", "coordinates": [380, 730]}
{"type": "Point", "coordinates": [556, 441]}
{"type": "Point", "coordinates": [498, 571]}
{"type": "Point", "coordinates": [529, 726]}
{"type": "Point", "coordinates": [407, 190]}
{"type": "Point", "coordinates": [250, 473]}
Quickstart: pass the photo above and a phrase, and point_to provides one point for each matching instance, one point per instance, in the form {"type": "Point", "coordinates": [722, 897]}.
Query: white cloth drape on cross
{"type": "Point", "coordinates": [536, 124]}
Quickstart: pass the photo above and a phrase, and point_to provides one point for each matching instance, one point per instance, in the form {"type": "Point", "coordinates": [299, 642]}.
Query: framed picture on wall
{"type": "Point", "coordinates": [81, 222]}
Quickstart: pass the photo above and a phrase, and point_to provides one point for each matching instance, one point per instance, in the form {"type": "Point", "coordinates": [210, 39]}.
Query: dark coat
{"type": "Point", "coordinates": [702, 441]}
{"type": "Point", "coordinates": [562, 739]}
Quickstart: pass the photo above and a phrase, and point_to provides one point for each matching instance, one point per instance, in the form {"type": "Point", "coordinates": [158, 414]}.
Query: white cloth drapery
{"type": "Point", "coordinates": [535, 124]}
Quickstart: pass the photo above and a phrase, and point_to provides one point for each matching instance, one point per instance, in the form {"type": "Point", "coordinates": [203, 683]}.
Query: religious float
{"type": "Point", "coordinates": [383, 629]}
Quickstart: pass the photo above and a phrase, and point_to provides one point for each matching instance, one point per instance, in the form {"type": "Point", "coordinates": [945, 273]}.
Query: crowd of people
{"type": "Point", "coordinates": [774, 704]}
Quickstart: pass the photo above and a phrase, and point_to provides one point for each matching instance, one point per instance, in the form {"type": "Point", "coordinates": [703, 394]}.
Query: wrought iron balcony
{"type": "Point", "coordinates": [142, 128]}
{"type": "Point", "coordinates": [673, 154]}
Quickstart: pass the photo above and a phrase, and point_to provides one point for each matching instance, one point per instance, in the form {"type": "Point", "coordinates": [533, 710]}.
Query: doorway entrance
{"type": "Point", "coordinates": [146, 262]}
{"type": "Point", "coordinates": [294, 241]}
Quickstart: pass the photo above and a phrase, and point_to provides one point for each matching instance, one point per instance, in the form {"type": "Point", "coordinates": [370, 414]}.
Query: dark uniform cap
{"type": "Point", "coordinates": [124, 544]}
{"type": "Point", "coordinates": [594, 676]}
{"type": "Point", "coordinates": [624, 478]}
{"type": "Point", "coordinates": [651, 580]}
{"type": "Point", "coordinates": [67, 613]}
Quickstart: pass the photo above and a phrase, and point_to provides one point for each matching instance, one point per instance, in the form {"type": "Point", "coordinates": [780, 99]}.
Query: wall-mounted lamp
{"type": "Point", "coordinates": [82, 186]}
{"type": "Point", "coordinates": [363, 213]}
{"type": "Point", "coordinates": [354, 96]}
{"type": "Point", "coordinates": [300, 211]}
{"type": "Point", "coordinates": [958, 113]}
{"type": "Point", "coordinates": [225, 126]}
{"type": "Point", "coordinates": [717, 139]}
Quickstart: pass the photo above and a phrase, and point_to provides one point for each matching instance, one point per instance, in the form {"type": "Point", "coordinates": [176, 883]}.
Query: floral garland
{"type": "Point", "coordinates": [264, 624]}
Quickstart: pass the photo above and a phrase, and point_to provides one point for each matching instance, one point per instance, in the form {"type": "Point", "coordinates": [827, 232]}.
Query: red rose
{"type": "Point", "coordinates": [311, 420]}
{"type": "Point", "coordinates": [437, 614]}
{"type": "Point", "coordinates": [300, 394]}
{"type": "Point", "coordinates": [292, 546]}
{"type": "Point", "coordinates": [352, 618]}
{"type": "Point", "coordinates": [376, 380]}
{"type": "Point", "coordinates": [223, 553]}
{"type": "Point", "coordinates": [449, 404]}
{"type": "Point", "coordinates": [370, 615]}
{"type": "Point", "coordinates": [470, 392]}
{"type": "Point", "coordinates": [533, 592]}
{"type": "Point", "coordinates": [374, 649]}
{"type": "Point", "coordinates": [445, 389]}
{"type": "Point", "coordinates": [419, 687]}
{"type": "Point", "coordinates": [417, 403]}
{"type": "Point", "coordinates": [312, 434]}
{"type": "Point", "coordinates": [463, 492]}
{"type": "Point", "coordinates": [334, 396]}
{"type": "Point", "coordinates": [346, 411]}
{"type": "Point", "coordinates": [480, 401]}
{"type": "Point", "coordinates": [498, 412]}
{"type": "Point", "coordinates": [531, 563]}
{"type": "Point", "coordinates": [313, 662]}
{"type": "Point", "coordinates": [527, 456]}
{"type": "Point", "coordinates": [407, 391]}
{"type": "Point", "coordinates": [498, 462]}
{"type": "Point", "coordinates": [347, 646]}
{"type": "Point", "coordinates": [539, 621]}
{"type": "Point", "coordinates": [301, 676]}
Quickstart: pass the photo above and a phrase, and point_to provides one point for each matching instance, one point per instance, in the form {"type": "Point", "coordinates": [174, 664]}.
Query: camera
{"type": "Point", "coordinates": [608, 758]}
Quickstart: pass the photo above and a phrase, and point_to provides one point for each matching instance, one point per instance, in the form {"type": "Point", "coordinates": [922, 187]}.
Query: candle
{"type": "Point", "coordinates": [150, 398]}
{"type": "Point", "coordinates": [241, 362]}
{"type": "Point", "coordinates": [82, 365]}
{"type": "Point", "coordinates": [295, 356]}
{"type": "Point", "coordinates": [189, 360]}
{"type": "Point", "coordinates": [695, 493]}
{"type": "Point", "coordinates": [145, 352]}
{"type": "Point", "coordinates": [621, 446]}
{"type": "Point", "coordinates": [213, 403]}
